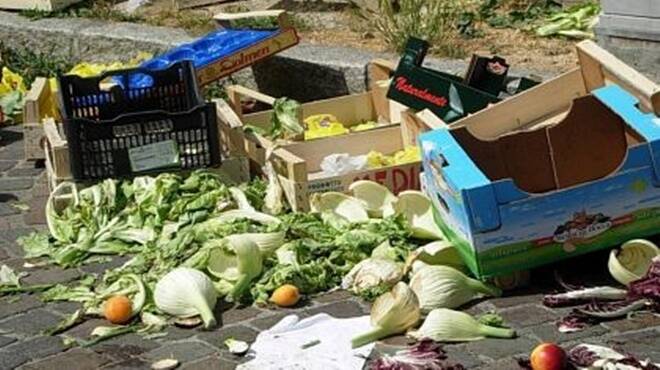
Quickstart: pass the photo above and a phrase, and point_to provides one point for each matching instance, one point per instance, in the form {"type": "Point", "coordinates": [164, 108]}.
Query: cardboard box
{"type": "Point", "coordinates": [568, 167]}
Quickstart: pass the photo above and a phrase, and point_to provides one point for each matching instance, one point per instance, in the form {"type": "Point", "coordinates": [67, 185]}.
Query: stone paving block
{"type": "Point", "coordinates": [268, 321]}
{"type": "Point", "coordinates": [25, 172]}
{"type": "Point", "coordinates": [337, 295]}
{"type": "Point", "coordinates": [183, 351]}
{"type": "Point", "coordinates": [6, 165]}
{"type": "Point", "coordinates": [496, 348]}
{"type": "Point", "coordinates": [77, 358]}
{"type": "Point", "coordinates": [238, 314]}
{"type": "Point", "coordinates": [101, 267]}
{"type": "Point", "coordinates": [15, 233]}
{"type": "Point", "coordinates": [515, 299]}
{"type": "Point", "coordinates": [31, 323]}
{"type": "Point", "coordinates": [175, 333]}
{"type": "Point", "coordinates": [134, 340]}
{"type": "Point", "coordinates": [22, 352]}
{"type": "Point", "coordinates": [549, 333]}
{"type": "Point", "coordinates": [503, 364]}
{"type": "Point", "coordinates": [211, 363]}
{"type": "Point", "coordinates": [65, 308]}
{"type": "Point", "coordinates": [642, 344]}
{"type": "Point", "coordinates": [460, 354]}
{"type": "Point", "coordinates": [342, 309]}
{"type": "Point", "coordinates": [522, 316]}
{"type": "Point", "coordinates": [125, 347]}
{"type": "Point", "coordinates": [11, 154]}
{"type": "Point", "coordinates": [84, 329]}
{"type": "Point", "coordinates": [6, 340]}
{"type": "Point", "coordinates": [9, 184]}
{"type": "Point", "coordinates": [51, 275]}
{"type": "Point", "coordinates": [10, 307]}
{"type": "Point", "coordinates": [7, 209]}
{"type": "Point", "coordinates": [40, 189]}
{"type": "Point", "coordinates": [217, 337]}
{"type": "Point", "coordinates": [12, 249]}
{"type": "Point", "coordinates": [129, 364]}
{"type": "Point", "coordinates": [638, 321]}
{"type": "Point", "coordinates": [36, 215]}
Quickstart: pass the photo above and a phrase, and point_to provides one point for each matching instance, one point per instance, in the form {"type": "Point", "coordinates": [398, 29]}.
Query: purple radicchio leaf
{"type": "Point", "coordinates": [610, 310]}
{"type": "Point", "coordinates": [586, 355]}
{"type": "Point", "coordinates": [425, 355]}
{"type": "Point", "coordinates": [649, 285]}
{"type": "Point", "coordinates": [575, 321]}
{"type": "Point", "coordinates": [582, 356]}
{"type": "Point", "coordinates": [575, 297]}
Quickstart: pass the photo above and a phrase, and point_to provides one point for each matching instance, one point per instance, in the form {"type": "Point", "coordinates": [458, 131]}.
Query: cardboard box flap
{"type": "Point", "coordinates": [600, 68]}
{"type": "Point", "coordinates": [645, 125]}
{"type": "Point", "coordinates": [589, 143]}
{"type": "Point", "coordinates": [456, 182]}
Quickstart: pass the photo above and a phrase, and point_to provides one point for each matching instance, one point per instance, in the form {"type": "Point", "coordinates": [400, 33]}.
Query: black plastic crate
{"type": "Point", "coordinates": [107, 127]}
{"type": "Point", "coordinates": [109, 95]}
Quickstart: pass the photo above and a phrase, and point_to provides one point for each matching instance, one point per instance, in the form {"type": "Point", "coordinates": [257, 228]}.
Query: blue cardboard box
{"type": "Point", "coordinates": [566, 168]}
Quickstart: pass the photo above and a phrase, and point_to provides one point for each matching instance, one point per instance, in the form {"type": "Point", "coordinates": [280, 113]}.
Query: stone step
{"type": "Point", "coordinates": [639, 8]}
{"type": "Point", "coordinates": [639, 28]}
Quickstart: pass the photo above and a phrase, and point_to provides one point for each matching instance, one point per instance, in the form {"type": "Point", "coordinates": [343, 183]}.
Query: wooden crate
{"type": "Point", "coordinates": [47, 5]}
{"type": "Point", "coordinates": [298, 163]}
{"type": "Point", "coordinates": [349, 109]}
{"type": "Point", "coordinates": [234, 169]}
{"type": "Point", "coordinates": [38, 106]}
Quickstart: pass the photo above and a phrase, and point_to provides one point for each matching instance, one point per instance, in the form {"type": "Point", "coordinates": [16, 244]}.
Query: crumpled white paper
{"type": "Point", "coordinates": [320, 342]}
{"type": "Point", "coordinates": [341, 163]}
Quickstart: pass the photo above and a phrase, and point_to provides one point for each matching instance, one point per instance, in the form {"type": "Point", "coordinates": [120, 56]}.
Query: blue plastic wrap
{"type": "Point", "coordinates": [205, 50]}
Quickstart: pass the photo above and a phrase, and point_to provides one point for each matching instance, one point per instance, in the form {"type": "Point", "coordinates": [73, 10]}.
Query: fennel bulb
{"type": "Point", "coordinates": [377, 199]}
{"type": "Point", "coordinates": [186, 292]}
{"type": "Point", "coordinates": [445, 325]}
{"type": "Point", "coordinates": [445, 287]}
{"type": "Point", "coordinates": [392, 313]}
{"type": "Point", "coordinates": [236, 261]}
{"type": "Point", "coordinates": [632, 261]}
{"type": "Point", "coordinates": [416, 207]}
{"type": "Point", "coordinates": [370, 273]}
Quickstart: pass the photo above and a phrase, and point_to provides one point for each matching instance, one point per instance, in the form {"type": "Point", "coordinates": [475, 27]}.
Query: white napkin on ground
{"type": "Point", "coordinates": [281, 347]}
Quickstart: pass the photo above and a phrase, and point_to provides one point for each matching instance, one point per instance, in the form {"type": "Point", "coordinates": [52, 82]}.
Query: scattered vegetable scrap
{"type": "Point", "coordinates": [445, 325]}
{"type": "Point", "coordinates": [425, 354]}
{"type": "Point", "coordinates": [606, 303]}
{"type": "Point", "coordinates": [549, 356]}
{"type": "Point", "coordinates": [576, 22]}
{"type": "Point", "coordinates": [194, 240]}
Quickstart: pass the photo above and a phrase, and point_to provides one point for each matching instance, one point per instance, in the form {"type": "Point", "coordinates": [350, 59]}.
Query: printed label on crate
{"type": "Point", "coordinates": [153, 156]}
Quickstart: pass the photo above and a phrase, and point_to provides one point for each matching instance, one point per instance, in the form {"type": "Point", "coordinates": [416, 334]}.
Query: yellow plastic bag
{"type": "Point", "coordinates": [409, 154]}
{"type": "Point", "coordinates": [323, 125]}
{"type": "Point", "coordinates": [364, 126]}
{"type": "Point", "coordinates": [94, 69]}
{"type": "Point", "coordinates": [11, 82]}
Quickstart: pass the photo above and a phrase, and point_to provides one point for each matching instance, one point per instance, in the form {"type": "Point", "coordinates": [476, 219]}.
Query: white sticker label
{"type": "Point", "coordinates": [152, 156]}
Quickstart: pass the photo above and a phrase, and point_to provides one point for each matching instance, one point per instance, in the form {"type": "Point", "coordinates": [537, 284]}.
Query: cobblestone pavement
{"type": "Point", "coordinates": [24, 317]}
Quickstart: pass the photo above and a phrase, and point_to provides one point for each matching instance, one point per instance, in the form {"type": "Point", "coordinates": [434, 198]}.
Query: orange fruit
{"type": "Point", "coordinates": [118, 309]}
{"type": "Point", "coordinates": [285, 296]}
